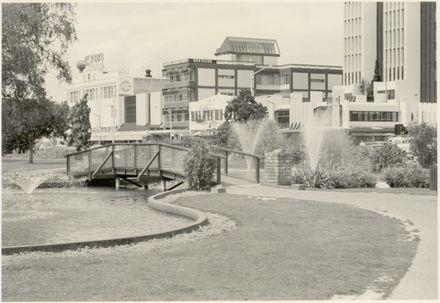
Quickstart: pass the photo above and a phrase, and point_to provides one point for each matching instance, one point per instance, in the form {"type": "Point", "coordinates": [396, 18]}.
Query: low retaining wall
{"type": "Point", "coordinates": [154, 202]}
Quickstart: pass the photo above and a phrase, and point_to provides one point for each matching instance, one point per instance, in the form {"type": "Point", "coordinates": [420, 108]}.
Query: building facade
{"type": "Point", "coordinates": [122, 107]}
{"type": "Point", "coordinates": [243, 63]}
{"type": "Point", "coordinates": [394, 44]}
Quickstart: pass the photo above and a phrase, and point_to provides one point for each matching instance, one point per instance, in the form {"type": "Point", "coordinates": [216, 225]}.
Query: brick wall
{"type": "Point", "coordinates": [278, 168]}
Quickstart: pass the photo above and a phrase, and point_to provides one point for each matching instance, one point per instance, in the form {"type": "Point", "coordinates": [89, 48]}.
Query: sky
{"type": "Point", "coordinates": [137, 36]}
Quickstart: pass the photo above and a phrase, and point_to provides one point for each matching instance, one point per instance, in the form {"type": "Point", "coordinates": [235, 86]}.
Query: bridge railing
{"type": "Point", "coordinates": [131, 156]}
{"type": "Point", "coordinates": [240, 165]}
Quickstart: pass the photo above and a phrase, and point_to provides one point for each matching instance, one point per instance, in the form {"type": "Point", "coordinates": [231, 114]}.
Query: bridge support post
{"type": "Point", "coordinates": [219, 170]}
{"type": "Point", "coordinates": [164, 185]}
{"type": "Point", "coordinates": [117, 183]}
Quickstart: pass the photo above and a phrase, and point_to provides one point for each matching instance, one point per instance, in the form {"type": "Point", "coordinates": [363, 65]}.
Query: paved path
{"type": "Point", "coordinates": [420, 282]}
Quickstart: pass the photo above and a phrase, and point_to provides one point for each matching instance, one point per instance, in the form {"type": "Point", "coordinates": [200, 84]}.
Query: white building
{"type": "Point", "coordinates": [397, 38]}
{"type": "Point", "coordinates": [122, 107]}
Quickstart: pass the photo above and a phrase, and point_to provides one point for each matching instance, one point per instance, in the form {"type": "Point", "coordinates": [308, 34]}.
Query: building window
{"type": "Point", "coordinates": [284, 79]}
{"type": "Point", "coordinates": [282, 118]}
{"type": "Point", "coordinates": [130, 109]}
{"type": "Point", "coordinates": [373, 116]}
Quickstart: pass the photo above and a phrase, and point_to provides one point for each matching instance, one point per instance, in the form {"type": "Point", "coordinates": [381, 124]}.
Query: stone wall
{"type": "Point", "coordinates": [278, 168]}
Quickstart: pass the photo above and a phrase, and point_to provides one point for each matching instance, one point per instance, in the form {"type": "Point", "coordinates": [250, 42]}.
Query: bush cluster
{"type": "Point", "coordinates": [199, 166]}
{"type": "Point", "coordinates": [350, 177]}
{"type": "Point", "coordinates": [388, 155]}
{"type": "Point", "coordinates": [54, 152]}
{"type": "Point", "coordinates": [411, 175]}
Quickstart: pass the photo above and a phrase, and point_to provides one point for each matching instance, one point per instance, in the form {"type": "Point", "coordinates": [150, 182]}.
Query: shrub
{"type": "Point", "coordinates": [423, 143]}
{"type": "Point", "coordinates": [342, 178]}
{"type": "Point", "coordinates": [54, 152]}
{"type": "Point", "coordinates": [352, 178]}
{"type": "Point", "coordinates": [199, 166]}
{"type": "Point", "coordinates": [339, 151]}
{"type": "Point", "coordinates": [385, 156]}
{"type": "Point", "coordinates": [411, 175]}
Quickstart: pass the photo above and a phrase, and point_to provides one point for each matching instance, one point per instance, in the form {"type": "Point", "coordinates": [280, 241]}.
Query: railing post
{"type": "Point", "coordinates": [219, 172]}
{"type": "Point", "coordinates": [68, 165]}
{"type": "Point", "coordinates": [226, 163]}
{"type": "Point", "coordinates": [158, 158]}
{"type": "Point", "coordinates": [90, 160]}
{"type": "Point", "coordinates": [113, 159]}
{"type": "Point", "coordinates": [134, 156]}
{"type": "Point", "coordinates": [257, 170]}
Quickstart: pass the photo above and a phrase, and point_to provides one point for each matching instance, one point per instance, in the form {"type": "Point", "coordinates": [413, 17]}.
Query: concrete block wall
{"type": "Point", "coordinates": [278, 168]}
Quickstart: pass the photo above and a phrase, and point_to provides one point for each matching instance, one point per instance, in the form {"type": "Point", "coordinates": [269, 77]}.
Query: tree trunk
{"type": "Point", "coordinates": [31, 152]}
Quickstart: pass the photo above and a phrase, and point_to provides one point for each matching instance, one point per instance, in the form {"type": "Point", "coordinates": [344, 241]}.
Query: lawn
{"type": "Point", "coordinates": [23, 165]}
{"type": "Point", "coordinates": [282, 249]}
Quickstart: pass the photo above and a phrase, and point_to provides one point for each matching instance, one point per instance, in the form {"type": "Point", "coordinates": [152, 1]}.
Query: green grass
{"type": "Point", "coordinates": [282, 249]}
{"type": "Point", "coordinates": [9, 165]}
{"type": "Point", "coordinates": [394, 190]}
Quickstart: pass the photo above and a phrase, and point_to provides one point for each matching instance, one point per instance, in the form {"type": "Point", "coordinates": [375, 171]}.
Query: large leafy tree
{"type": "Point", "coordinates": [244, 107]}
{"type": "Point", "coordinates": [35, 39]}
{"type": "Point", "coordinates": [423, 143]}
{"type": "Point", "coordinates": [28, 120]}
{"type": "Point", "coordinates": [79, 123]}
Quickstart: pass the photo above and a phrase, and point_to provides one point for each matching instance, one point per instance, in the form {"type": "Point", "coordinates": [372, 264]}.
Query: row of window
{"type": "Point", "coordinates": [370, 116]}
{"type": "Point", "coordinates": [207, 115]}
{"type": "Point", "coordinates": [181, 116]}
{"type": "Point", "coordinates": [92, 93]}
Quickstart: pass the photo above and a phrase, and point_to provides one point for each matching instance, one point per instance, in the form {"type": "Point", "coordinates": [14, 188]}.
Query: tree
{"type": "Point", "coordinates": [423, 143]}
{"type": "Point", "coordinates": [35, 38]}
{"type": "Point", "coordinates": [199, 165]}
{"type": "Point", "coordinates": [28, 120]}
{"type": "Point", "coordinates": [244, 107]}
{"type": "Point", "coordinates": [79, 125]}
{"type": "Point", "coordinates": [376, 77]}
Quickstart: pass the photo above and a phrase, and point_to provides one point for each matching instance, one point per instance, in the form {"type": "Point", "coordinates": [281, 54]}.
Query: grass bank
{"type": "Point", "coordinates": [282, 249]}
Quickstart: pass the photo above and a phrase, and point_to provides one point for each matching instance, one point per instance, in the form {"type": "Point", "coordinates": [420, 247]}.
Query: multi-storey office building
{"type": "Point", "coordinates": [243, 63]}
{"type": "Point", "coordinates": [394, 43]}
{"type": "Point", "coordinates": [122, 107]}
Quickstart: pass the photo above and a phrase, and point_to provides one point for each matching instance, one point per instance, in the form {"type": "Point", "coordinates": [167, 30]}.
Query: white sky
{"type": "Point", "coordinates": [138, 36]}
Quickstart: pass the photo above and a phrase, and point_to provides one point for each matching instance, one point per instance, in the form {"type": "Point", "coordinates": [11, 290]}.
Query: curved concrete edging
{"type": "Point", "coordinates": [199, 218]}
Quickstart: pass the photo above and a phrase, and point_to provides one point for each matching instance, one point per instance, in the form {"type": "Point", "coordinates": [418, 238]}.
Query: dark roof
{"type": "Point", "coordinates": [132, 127]}
{"type": "Point", "coordinates": [267, 47]}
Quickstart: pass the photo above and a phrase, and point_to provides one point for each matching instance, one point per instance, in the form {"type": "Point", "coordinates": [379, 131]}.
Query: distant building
{"type": "Point", "coordinates": [243, 63]}
{"type": "Point", "coordinates": [122, 107]}
{"type": "Point", "coordinates": [398, 40]}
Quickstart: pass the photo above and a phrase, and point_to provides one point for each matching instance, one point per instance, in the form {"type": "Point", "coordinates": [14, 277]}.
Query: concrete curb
{"type": "Point", "coordinates": [199, 218]}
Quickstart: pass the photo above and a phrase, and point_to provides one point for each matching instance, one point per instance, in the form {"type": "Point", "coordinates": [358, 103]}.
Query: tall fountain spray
{"type": "Point", "coordinates": [313, 134]}
{"type": "Point", "coordinates": [249, 134]}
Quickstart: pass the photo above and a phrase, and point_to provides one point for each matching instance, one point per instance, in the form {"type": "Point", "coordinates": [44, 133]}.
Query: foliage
{"type": "Point", "coordinates": [79, 123]}
{"type": "Point", "coordinates": [244, 107]}
{"type": "Point", "coordinates": [349, 177]}
{"type": "Point", "coordinates": [35, 38]}
{"type": "Point", "coordinates": [54, 152]}
{"type": "Point", "coordinates": [352, 177]}
{"type": "Point", "coordinates": [339, 151]}
{"type": "Point", "coordinates": [225, 137]}
{"type": "Point", "coordinates": [376, 77]}
{"type": "Point", "coordinates": [199, 166]}
{"type": "Point", "coordinates": [411, 175]}
{"type": "Point", "coordinates": [28, 120]}
{"type": "Point", "coordinates": [302, 174]}
{"type": "Point", "coordinates": [423, 143]}
{"type": "Point", "coordinates": [385, 156]}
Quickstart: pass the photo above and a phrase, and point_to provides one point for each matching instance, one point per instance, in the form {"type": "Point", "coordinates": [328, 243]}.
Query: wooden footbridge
{"type": "Point", "coordinates": [144, 163]}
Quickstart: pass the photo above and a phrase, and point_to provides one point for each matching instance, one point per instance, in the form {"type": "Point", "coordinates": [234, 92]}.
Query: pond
{"type": "Point", "coordinates": [80, 214]}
